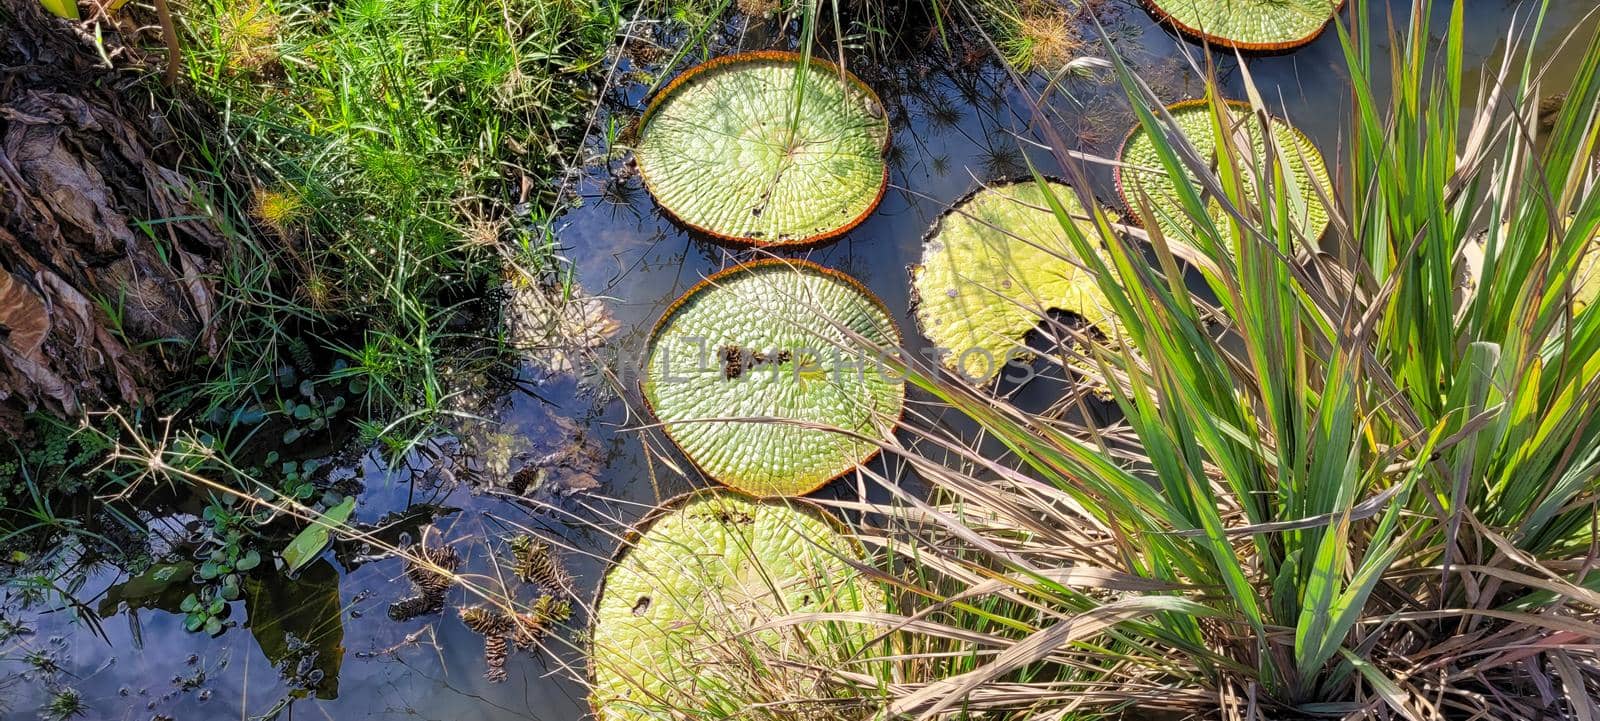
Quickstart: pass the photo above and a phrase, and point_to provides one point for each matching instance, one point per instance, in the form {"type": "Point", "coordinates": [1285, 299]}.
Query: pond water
{"type": "Point", "coordinates": [957, 123]}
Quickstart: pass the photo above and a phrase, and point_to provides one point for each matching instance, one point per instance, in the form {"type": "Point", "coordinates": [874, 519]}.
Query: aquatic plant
{"type": "Point", "coordinates": [765, 375]}
{"type": "Point", "coordinates": [993, 266]}
{"type": "Point", "coordinates": [1249, 24]}
{"type": "Point", "coordinates": [1141, 176]}
{"type": "Point", "coordinates": [693, 599]}
{"type": "Point", "coordinates": [536, 563]}
{"type": "Point", "coordinates": [430, 568]}
{"type": "Point", "coordinates": [770, 148]}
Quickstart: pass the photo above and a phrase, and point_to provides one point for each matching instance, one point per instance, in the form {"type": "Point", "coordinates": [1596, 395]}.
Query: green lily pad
{"type": "Point", "coordinates": [1249, 24]}
{"type": "Point", "coordinates": [992, 266]}
{"type": "Point", "coordinates": [725, 150]}
{"type": "Point", "coordinates": [1143, 172]}
{"type": "Point", "coordinates": [708, 569]}
{"type": "Point", "coordinates": [758, 374]}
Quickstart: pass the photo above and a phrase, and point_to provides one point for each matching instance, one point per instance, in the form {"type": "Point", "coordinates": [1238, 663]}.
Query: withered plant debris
{"type": "Point", "coordinates": [106, 246]}
{"type": "Point", "coordinates": [558, 324]}
{"type": "Point", "coordinates": [570, 466]}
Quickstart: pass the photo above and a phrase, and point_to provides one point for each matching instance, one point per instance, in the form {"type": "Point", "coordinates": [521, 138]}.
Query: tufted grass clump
{"type": "Point", "coordinates": [388, 136]}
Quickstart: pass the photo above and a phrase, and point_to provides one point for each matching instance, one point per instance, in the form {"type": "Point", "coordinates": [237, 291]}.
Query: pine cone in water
{"type": "Point", "coordinates": [427, 580]}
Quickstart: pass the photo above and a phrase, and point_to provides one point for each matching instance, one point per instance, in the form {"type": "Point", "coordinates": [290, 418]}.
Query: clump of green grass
{"type": "Point", "coordinates": [393, 140]}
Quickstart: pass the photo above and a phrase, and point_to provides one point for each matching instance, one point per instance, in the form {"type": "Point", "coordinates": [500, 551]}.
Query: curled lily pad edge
{"type": "Point", "coordinates": [755, 56]}
{"type": "Point", "coordinates": [1164, 17]}
{"type": "Point", "coordinates": [798, 265]}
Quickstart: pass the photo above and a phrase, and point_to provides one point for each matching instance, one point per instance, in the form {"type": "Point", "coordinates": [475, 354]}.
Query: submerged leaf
{"type": "Point", "coordinates": [992, 267]}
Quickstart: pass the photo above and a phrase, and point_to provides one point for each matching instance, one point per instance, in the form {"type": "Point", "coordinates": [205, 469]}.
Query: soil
{"type": "Point", "coordinates": [106, 254]}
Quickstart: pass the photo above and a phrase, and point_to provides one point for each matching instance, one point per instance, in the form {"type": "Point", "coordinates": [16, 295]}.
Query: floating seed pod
{"type": "Point", "coordinates": [710, 567]}
{"type": "Point", "coordinates": [725, 149]}
{"type": "Point", "coordinates": [1142, 171]}
{"type": "Point", "coordinates": [774, 428]}
{"type": "Point", "coordinates": [1267, 25]}
{"type": "Point", "coordinates": [992, 266]}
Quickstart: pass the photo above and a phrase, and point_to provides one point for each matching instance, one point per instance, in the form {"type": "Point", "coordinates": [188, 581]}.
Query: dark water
{"type": "Point", "coordinates": [957, 124]}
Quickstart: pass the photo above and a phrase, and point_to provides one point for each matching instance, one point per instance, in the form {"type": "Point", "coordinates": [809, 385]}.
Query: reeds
{"type": "Point", "coordinates": [1367, 495]}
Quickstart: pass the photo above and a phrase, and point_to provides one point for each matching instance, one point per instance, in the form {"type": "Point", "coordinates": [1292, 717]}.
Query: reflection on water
{"type": "Point", "coordinates": [324, 640]}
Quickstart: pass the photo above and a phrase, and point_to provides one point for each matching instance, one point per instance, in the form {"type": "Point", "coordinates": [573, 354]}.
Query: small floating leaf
{"type": "Point", "coordinates": [1143, 172]}
{"type": "Point", "coordinates": [1249, 24]}
{"type": "Point", "coordinates": [710, 567]}
{"type": "Point", "coordinates": [992, 266]}
{"type": "Point", "coordinates": [755, 372]}
{"type": "Point", "coordinates": [310, 542]}
{"type": "Point", "coordinates": [725, 149]}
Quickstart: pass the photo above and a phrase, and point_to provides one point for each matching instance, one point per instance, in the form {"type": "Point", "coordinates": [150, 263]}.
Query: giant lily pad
{"type": "Point", "coordinates": [1249, 24]}
{"type": "Point", "coordinates": [708, 569]}
{"type": "Point", "coordinates": [766, 148]}
{"type": "Point", "coordinates": [760, 375]}
{"type": "Point", "coordinates": [992, 266]}
{"type": "Point", "coordinates": [1142, 171]}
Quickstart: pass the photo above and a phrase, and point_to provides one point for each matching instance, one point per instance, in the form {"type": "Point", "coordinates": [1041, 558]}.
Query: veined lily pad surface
{"type": "Point", "coordinates": [765, 148]}
{"type": "Point", "coordinates": [767, 376]}
{"type": "Point", "coordinates": [1249, 24]}
{"type": "Point", "coordinates": [992, 266]}
{"type": "Point", "coordinates": [1143, 172]}
{"type": "Point", "coordinates": [713, 567]}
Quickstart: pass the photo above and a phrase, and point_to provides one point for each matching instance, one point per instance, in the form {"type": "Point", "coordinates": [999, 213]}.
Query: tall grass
{"type": "Point", "coordinates": [403, 147]}
{"type": "Point", "coordinates": [1358, 485]}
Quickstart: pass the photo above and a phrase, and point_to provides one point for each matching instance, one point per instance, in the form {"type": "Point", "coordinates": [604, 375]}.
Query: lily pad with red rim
{"type": "Point", "coordinates": [696, 583]}
{"type": "Point", "coordinates": [1141, 170]}
{"type": "Point", "coordinates": [767, 148]}
{"type": "Point", "coordinates": [1266, 25]}
{"type": "Point", "coordinates": [993, 266]}
{"type": "Point", "coordinates": [768, 376]}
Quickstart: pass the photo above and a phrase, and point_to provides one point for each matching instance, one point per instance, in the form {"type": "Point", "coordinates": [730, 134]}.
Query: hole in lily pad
{"type": "Point", "coordinates": [1267, 25]}
{"type": "Point", "coordinates": [1143, 172]}
{"type": "Point", "coordinates": [715, 567]}
{"type": "Point", "coordinates": [767, 376]}
{"type": "Point", "coordinates": [725, 150]}
{"type": "Point", "coordinates": [1005, 262]}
